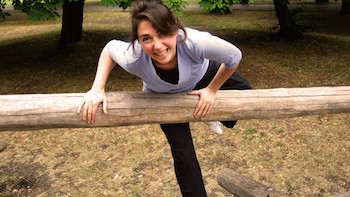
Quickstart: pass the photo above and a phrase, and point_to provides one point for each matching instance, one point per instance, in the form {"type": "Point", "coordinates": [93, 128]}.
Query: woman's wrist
{"type": "Point", "coordinates": [97, 88]}
{"type": "Point", "coordinates": [212, 89]}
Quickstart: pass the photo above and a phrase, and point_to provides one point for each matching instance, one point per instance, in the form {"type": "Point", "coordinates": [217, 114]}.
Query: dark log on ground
{"type": "Point", "coordinates": [3, 146]}
{"type": "Point", "coordinates": [243, 186]}
{"type": "Point", "coordinates": [44, 111]}
{"type": "Point", "coordinates": [346, 194]}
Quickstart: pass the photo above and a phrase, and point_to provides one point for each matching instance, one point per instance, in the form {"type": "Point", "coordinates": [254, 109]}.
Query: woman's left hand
{"type": "Point", "coordinates": [206, 101]}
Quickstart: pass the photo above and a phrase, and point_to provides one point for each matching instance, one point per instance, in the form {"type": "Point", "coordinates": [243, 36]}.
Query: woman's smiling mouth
{"type": "Point", "coordinates": [162, 53]}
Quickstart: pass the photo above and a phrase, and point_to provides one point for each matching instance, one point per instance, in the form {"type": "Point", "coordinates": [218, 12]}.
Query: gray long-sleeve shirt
{"type": "Point", "coordinates": [193, 56]}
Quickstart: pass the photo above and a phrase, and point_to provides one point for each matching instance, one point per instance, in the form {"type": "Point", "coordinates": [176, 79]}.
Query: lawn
{"type": "Point", "coordinates": [305, 156]}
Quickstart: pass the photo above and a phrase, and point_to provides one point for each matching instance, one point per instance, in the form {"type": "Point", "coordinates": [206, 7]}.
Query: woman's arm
{"type": "Point", "coordinates": [207, 95]}
{"type": "Point", "coordinates": [97, 94]}
{"type": "Point", "coordinates": [221, 77]}
{"type": "Point", "coordinates": [207, 46]}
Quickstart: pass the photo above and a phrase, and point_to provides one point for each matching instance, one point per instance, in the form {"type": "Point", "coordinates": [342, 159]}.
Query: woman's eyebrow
{"type": "Point", "coordinates": [144, 35]}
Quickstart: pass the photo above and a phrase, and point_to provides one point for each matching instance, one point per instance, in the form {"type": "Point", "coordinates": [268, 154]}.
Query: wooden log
{"type": "Point", "coordinates": [243, 186]}
{"type": "Point", "coordinates": [44, 111]}
{"type": "Point", "coordinates": [3, 146]}
{"type": "Point", "coordinates": [346, 194]}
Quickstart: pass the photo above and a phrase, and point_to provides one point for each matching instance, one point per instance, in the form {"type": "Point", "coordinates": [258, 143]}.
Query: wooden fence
{"type": "Point", "coordinates": [39, 111]}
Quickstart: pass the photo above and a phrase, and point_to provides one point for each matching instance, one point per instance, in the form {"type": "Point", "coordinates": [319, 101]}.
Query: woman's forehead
{"type": "Point", "coordinates": [145, 26]}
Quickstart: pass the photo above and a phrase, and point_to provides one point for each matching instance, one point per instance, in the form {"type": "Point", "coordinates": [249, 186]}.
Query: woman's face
{"type": "Point", "coordinates": [161, 48]}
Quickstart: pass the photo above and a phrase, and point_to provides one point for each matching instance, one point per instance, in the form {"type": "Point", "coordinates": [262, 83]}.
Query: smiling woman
{"type": "Point", "coordinates": [161, 48]}
{"type": "Point", "coordinates": [170, 58]}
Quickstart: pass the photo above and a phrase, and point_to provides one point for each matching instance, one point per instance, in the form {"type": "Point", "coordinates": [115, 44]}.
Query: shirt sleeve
{"type": "Point", "coordinates": [213, 48]}
{"type": "Point", "coordinates": [123, 53]}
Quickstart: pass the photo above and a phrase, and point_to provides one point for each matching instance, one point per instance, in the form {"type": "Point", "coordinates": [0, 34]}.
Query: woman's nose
{"type": "Point", "coordinates": [158, 43]}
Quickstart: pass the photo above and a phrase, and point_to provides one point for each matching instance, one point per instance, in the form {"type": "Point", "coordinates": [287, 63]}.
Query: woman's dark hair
{"type": "Point", "coordinates": [161, 17]}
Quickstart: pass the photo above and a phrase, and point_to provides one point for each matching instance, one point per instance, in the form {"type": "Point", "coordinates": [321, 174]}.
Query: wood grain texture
{"type": "Point", "coordinates": [44, 111]}
{"type": "Point", "coordinates": [243, 186]}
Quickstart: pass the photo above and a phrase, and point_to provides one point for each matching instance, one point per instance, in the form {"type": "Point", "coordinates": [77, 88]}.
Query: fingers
{"type": "Point", "coordinates": [202, 109]}
{"type": "Point", "coordinates": [194, 92]}
{"type": "Point", "coordinates": [90, 104]}
{"type": "Point", "coordinates": [90, 110]}
{"type": "Point", "coordinates": [104, 104]}
{"type": "Point", "coordinates": [205, 103]}
{"type": "Point", "coordinates": [85, 110]}
{"type": "Point", "coordinates": [80, 107]}
{"type": "Point", "coordinates": [93, 113]}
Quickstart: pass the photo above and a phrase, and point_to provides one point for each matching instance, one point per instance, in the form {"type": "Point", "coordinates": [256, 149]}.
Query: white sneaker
{"type": "Point", "coordinates": [215, 126]}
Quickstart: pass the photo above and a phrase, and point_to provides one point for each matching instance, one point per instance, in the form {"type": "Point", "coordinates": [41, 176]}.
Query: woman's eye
{"type": "Point", "coordinates": [146, 39]}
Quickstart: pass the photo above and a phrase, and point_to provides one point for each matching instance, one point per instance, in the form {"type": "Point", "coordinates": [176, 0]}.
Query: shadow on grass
{"type": "Point", "coordinates": [40, 65]}
{"type": "Point", "coordinates": [23, 179]}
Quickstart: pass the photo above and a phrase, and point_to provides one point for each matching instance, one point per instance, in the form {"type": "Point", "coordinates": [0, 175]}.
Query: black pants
{"type": "Point", "coordinates": [187, 169]}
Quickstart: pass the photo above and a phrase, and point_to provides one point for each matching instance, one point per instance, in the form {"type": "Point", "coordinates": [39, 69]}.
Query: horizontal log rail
{"type": "Point", "coordinates": [44, 111]}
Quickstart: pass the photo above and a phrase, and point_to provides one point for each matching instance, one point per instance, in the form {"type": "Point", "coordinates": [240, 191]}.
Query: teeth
{"type": "Point", "coordinates": [162, 53]}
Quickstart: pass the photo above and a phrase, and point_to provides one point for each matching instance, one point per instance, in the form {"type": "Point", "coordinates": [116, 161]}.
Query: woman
{"type": "Point", "coordinates": [171, 58]}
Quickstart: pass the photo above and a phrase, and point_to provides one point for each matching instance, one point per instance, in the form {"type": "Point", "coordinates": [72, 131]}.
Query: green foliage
{"type": "Point", "coordinates": [121, 3]}
{"type": "Point", "coordinates": [2, 13]}
{"type": "Point", "coordinates": [176, 6]}
{"type": "Point", "coordinates": [47, 9]}
{"type": "Point", "coordinates": [218, 6]}
{"type": "Point", "coordinates": [38, 9]}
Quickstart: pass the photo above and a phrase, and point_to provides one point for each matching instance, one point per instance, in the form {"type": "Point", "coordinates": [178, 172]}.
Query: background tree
{"type": "Point", "coordinates": [345, 8]}
{"type": "Point", "coordinates": [287, 27]}
{"type": "Point", "coordinates": [218, 6]}
{"type": "Point", "coordinates": [72, 19]}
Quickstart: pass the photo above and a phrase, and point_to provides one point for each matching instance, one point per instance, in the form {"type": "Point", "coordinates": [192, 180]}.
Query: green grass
{"type": "Point", "coordinates": [304, 156]}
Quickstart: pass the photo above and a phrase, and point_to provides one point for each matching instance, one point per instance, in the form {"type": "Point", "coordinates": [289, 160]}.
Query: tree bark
{"type": "Point", "coordinates": [72, 21]}
{"type": "Point", "coordinates": [44, 111]}
{"type": "Point", "coordinates": [287, 28]}
{"type": "Point", "coordinates": [345, 7]}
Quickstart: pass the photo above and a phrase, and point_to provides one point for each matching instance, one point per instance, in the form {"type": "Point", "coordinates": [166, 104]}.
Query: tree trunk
{"type": "Point", "coordinates": [345, 7]}
{"type": "Point", "coordinates": [72, 21]}
{"type": "Point", "coordinates": [39, 111]}
{"type": "Point", "coordinates": [244, 1]}
{"type": "Point", "coordinates": [287, 28]}
{"type": "Point", "coordinates": [322, 1]}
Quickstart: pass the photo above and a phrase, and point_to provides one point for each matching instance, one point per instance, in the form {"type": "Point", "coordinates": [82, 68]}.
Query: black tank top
{"type": "Point", "coordinates": [170, 76]}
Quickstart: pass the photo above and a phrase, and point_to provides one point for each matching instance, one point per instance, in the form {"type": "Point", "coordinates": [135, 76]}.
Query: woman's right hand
{"type": "Point", "coordinates": [90, 104]}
